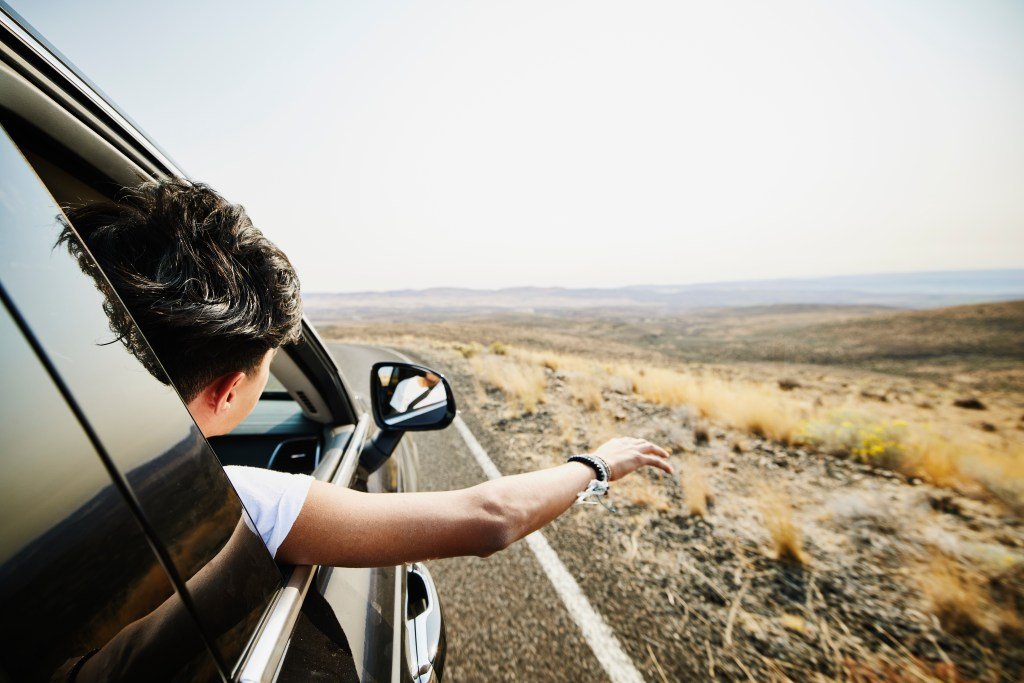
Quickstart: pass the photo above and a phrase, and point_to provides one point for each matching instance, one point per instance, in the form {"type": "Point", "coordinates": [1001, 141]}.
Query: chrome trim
{"type": "Point", "coordinates": [425, 643]}
{"type": "Point", "coordinates": [271, 642]}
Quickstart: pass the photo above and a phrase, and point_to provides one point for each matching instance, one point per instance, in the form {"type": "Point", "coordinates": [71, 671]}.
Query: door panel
{"type": "Point", "coordinates": [77, 576]}
{"type": "Point", "coordinates": [166, 464]}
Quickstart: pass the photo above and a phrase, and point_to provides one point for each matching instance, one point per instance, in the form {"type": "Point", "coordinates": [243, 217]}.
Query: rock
{"type": "Point", "coordinates": [945, 502]}
{"type": "Point", "coordinates": [700, 435]}
{"type": "Point", "coordinates": [986, 427]}
{"type": "Point", "coordinates": [971, 403]}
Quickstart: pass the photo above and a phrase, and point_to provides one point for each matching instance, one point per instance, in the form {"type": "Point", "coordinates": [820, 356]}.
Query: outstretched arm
{"type": "Point", "coordinates": [344, 528]}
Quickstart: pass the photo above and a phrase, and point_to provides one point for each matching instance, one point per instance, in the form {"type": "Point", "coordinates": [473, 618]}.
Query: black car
{"type": "Point", "coordinates": [119, 531]}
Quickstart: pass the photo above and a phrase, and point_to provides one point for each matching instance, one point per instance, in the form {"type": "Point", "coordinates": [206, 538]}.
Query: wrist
{"type": "Point", "coordinates": [596, 465]}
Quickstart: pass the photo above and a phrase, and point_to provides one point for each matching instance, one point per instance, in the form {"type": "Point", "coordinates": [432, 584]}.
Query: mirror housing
{"type": "Point", "coordinates": [405, 398]}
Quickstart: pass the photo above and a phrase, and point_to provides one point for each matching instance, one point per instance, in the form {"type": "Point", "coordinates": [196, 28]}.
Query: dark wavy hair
{"type": "Point", "coordinates": [209, 292]}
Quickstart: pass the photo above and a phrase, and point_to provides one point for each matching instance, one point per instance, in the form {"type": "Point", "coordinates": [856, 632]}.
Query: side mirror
{"type": "Point", "coordinates": [404, 398]}
{"type": "Point", "coordinates": [410, 398]}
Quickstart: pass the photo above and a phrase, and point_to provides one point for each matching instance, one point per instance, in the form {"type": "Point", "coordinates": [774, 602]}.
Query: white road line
{"type": "Point", "coordinates": [596, 632]}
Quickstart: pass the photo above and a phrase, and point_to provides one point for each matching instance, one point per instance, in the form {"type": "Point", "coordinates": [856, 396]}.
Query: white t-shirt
{"type": "Point", "coordinates": [408, 389]}
{"type": "Point", "coordinates": [272, 499]}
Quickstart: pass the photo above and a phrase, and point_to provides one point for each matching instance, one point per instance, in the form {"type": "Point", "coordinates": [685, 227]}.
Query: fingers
{"type": "Point", "coordinates": [645, 446]}
{"type": "Point", "coordinates": [656, 461]}
{"type": "Point", "coordinates": [652, 449]}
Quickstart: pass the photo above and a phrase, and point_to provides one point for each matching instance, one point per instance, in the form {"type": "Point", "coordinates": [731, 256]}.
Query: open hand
{"type": "Point", "coordinates": [627, 454]}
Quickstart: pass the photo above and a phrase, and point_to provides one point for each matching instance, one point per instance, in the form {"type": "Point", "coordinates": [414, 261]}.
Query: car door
{"type": "Point", "coordinates": [85, 589]}
{"type": "Point", "coordinates": [153, 449]}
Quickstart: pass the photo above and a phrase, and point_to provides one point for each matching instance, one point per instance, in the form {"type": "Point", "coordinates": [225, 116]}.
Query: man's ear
{"type": "Point", "coordinates": [220, 393]}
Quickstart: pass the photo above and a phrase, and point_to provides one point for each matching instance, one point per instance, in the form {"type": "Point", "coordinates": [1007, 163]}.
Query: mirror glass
{"type": "Point", "coordinates": [410, 396]}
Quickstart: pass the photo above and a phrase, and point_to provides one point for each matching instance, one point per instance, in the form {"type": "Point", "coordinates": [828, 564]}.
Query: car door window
{"type": "Point", "coordinates": [79, 585]}
{"type": "Point", "coordinates": [152, 442]}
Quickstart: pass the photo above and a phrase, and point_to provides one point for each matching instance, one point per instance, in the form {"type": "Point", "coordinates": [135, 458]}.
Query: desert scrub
{"type": "Point", "coordinates": [961, 597]}
{"type": "Point", "coordinates": [917, 451]}
{"type": "Point", "coordinates": [523, 385]}
{"type": "Point", "coordinates": [696, 489]}
{"type": "Point", "coordinates": [468, 350]}
{"type": "Point", "coordinates": [586, 390]}
{"type": "Point", "coordinates": [860, 436]}
{"type": "Point", "coordinates": [786, 536]}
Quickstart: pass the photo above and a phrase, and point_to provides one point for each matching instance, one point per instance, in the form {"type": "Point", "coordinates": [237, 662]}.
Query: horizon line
{"type": "Point", "coordinates": [811, 278]}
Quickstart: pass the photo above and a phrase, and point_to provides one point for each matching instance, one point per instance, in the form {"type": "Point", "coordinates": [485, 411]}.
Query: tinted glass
{"type": "Point", "coordinates": [153, 442]}
{"type": "Point", "coordinates": [77, 577]}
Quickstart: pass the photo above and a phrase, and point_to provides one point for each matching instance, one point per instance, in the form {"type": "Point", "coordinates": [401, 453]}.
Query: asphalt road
{"type": "Point", "coordinates": [504, 619]}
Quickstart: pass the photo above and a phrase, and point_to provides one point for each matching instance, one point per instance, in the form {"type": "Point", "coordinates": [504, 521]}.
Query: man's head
{"type": "Point", "coordinates": [212, 295]}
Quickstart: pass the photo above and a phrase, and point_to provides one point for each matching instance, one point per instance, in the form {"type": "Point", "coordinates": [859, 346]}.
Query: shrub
{"type": "Point", "coordinates": [961, 598]}
{"type": "Point", "coordinates": [468, 350]}
{"type": "Point", "coordinates": [786, 536]}
{"type": "Point", "coordinates": [523, 385]}
{"type": "Point", "coordinates": [696, 488]}
{"type": "Point", "coordinates": [879, 442]}
{"type": "Point", "coordinates": [587, 391]}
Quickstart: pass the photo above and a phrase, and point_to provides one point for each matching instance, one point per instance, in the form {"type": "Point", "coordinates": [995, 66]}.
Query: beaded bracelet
{"type": "Point", "coordinates": [597, 464]}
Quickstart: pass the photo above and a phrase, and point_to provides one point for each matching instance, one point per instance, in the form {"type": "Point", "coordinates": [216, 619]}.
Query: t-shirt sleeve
{"type": "Point", "coordinates": [272, 499]}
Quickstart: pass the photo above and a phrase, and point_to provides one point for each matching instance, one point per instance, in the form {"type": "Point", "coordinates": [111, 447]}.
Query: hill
{"type": "Point", "coordinates": [899, 290]}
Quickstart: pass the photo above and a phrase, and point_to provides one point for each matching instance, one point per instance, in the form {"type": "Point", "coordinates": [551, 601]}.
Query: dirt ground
{"type": "Point", "coordinates": [760, 560]}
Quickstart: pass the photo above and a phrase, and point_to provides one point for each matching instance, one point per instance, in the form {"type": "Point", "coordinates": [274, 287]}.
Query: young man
{"type": "Point", "coordinates": [216, 299]}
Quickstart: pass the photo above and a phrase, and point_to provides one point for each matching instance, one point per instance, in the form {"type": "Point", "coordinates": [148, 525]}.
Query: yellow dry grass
{"type": "Point", "coordinates": [662, 386]}
{"type": "Point", "coordinates": [999, 469]}
{"type": "Point", "coordinates": [523, 385]}
{"type": "Point", "coordinates": [586, 390]}
{"type": "Point", "coordinates": [755, 408]}
{"type": "Point", "coordinates": [696, 488]}
{"type": "Point", "coordinates": [785, 535]}
{"type": "Point", "coordinates": [751, 407]}
{"type": "Point", "coordinates": [961, 599]}
{"type": "Point", "coordinates": [554, 360]}
{"type": "Point", "coordinates": [952, 460]}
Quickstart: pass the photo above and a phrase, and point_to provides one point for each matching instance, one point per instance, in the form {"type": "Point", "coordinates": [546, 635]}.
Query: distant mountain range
{"type": "Point", "coordinates": [898, 290]}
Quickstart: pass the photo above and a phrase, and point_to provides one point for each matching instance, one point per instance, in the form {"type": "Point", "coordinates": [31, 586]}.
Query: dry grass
{"type": "Point", "coordinates": [948, 460]}
{"type": "Point", "coordinates": [553, 360]}
{"type": "Point", "coordinates": [760, 409]}
{"type": "Point", "coordinates": [566, 430]}
{"type": "Point", "coordinates": [754, 409]}
{"type": "Point", "coordinates": [1000, 469]}
{"type": "Point", "coordinates": [786, 536]}
{"type": "Point", "coordinates": [644, 492]}
{"type": "Point", "coordinates": [696, 488]}
{"type": "Point", "coordinates": [586, 390]}
{"type": "Point", "coordinates": [662, 386]}
{"type": "Point", "coordinates": [961, 598]}
{"type": "Point", "coordinates": [523, 385]}
{"type": "Point", "coordinates": [599, 428]}
{"type": "Point", "coordinates": [468, 350]}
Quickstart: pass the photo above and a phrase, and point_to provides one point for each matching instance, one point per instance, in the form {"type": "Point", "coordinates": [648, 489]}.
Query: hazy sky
{"type": "Point", "coordinates": [387, 145]}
